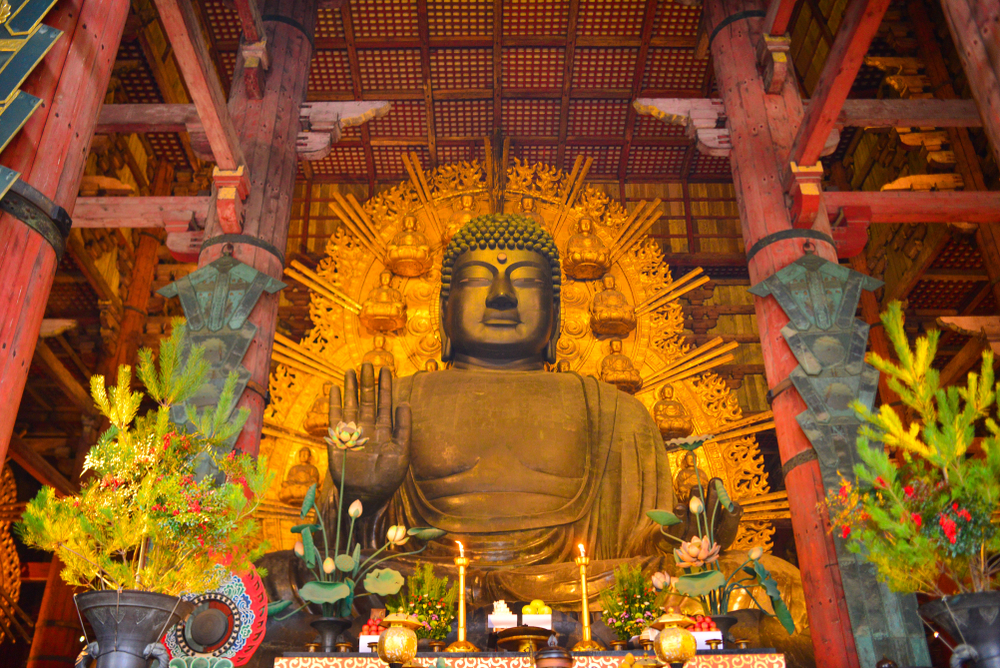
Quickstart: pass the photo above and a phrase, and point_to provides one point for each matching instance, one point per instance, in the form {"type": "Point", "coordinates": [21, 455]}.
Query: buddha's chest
{"type": "Point", "coordinates": [497, 426]}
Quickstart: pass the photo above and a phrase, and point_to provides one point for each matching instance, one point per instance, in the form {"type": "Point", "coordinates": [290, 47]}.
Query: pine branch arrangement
{"type": "Point", "coordinates": [630, 605]}
{"type": "Point", "coordinates": [926, 517]}
{"type": "Point", "coordinates": [431, 599]}
{"type": "Point", "coordinates": [142, 520]}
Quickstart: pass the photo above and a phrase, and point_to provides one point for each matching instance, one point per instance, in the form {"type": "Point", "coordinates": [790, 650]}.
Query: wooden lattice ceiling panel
{"type": "Point", "coordinates": [657, 161]}
{"type": "Point", "coordinates": [597, 118]}
{"type": "Point", "coordinates": [329, 24]}
{"type": "Point", "coordinates": [467, 18]}
{"type": "Point", "coordinates": [604, 68]}
{"type": "Point", "coordinates": [606, 18]}
{"type": "Point", "coordinates": [533, 154]}
{"type": "Point", "coordinates": [461, 68]}
{"type": "Point", "coordinates": [464, 153]}
{"type": "Point", "coordinates": [530, 118]}
{"type": "Point", "coordinates": [959, 253]}
{"type": "Point", "coordinates": [223, 21]}
{"type": "Point", "coordinates": [673, 69]}
{"type": "Point", "coordinates": [408, 119]}
{"type": "Point", "coordinates": [389, 160]}
{"type": "Point", "coordinates": [330, 71]}
{"type": "Point", "coordinates": [390, 69]}
{"type": "Point", "coordinates": [709, 167]}
{"type": "Point", "coordinates": [647, 126]}
{"type": "Point", "coordinates": [227, 65]}
{"type": "Point", "coordinates": [605, 159]}
{"type": "Point", "coordinates": [463, 118]}
{"type": "Point", "coordinates": [532, 68]}
{"type": "Point", "coordinates": [939, 295]}
{"type": "Point", "coordinates": [343, 160]}
{"type": "Point", "coordinates": [168, 145]}
{"type": "Point", "coordinates": [134, 75]}
{"type": "Point", "coordinates": [676, 20]}
{"type": "Point", "coordinates": [535, 17]}
{"type": "Point", "coordinates": [384, 19]}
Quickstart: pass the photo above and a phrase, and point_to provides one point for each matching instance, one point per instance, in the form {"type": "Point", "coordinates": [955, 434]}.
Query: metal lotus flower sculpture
{"type": "Point", "coordinates": [341, 568]}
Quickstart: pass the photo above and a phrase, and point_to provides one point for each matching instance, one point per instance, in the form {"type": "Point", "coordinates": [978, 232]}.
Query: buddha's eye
{"type": "Point", "coordinates": [474, 282]}
{"type": "Point", "coordinates": [527, 282]}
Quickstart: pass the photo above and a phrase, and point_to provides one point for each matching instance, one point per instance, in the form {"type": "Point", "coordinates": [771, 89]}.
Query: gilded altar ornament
{"type": "Point", "coordinates": [385, 309]}
{"type": "Point", "coordinates": [397, 645]}
{"type": "Point", "coordinates": [462, 644]}
{"type": "Point", "coordinates": [674, 644]}
{"type": "Point", "coordinates": [299, 479]}
{"type": "Point", "coordinates": [586, 255]}
{"type": "Point", "coordinates": [464, 212]}
{"type": "Point", "coordinates": [587, 643]}
{"type": "Point", "coordinates": [618, 370]}
{"type": "Point", "coordinates": [379, 357]}
{"type": "Point", "coordinates": [409, 253]}
{"type": "Point", "coordinates": [610, 312]}
{"type": "Point", "coordinates": [687, 479]}
{"type": "Point", "coordinates": [672, 419]}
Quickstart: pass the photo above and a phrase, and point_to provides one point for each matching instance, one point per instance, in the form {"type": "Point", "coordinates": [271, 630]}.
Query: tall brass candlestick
{"type": "Point", "coordinates": [586, 644]}
{"type": "Point", "coordinates": [461, 645]}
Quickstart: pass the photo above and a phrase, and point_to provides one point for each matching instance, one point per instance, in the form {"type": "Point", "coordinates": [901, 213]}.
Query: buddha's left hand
{"type": "Point", "coordinates": [724, 519]}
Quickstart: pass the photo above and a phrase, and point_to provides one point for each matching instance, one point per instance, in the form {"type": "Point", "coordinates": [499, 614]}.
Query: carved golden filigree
{"type": "Point", "coordinates": [446, 196]}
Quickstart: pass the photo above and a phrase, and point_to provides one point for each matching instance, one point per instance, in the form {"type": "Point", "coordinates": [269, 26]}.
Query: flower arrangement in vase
{"type": "Point", "coordinates": [698, 557]}
{"type": "Point", "coordinates": [145, 522]}
{"type": "Point", "coordinates": [923, 511]}
{"type": "Point", "coordinates": [629, 606]}
{"type": "Point", "coordinates": [431, 599]}
{"type": "Point", "coordinates": [340, 570]}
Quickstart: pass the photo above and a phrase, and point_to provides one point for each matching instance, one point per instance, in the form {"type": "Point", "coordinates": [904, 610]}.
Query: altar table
{"type": "Point", "coordinates": [710, 659]}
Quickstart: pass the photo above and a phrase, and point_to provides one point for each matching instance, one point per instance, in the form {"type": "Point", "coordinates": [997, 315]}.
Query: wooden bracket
{"type": "Point", "coordinates": [185, 247]}
{"type": "Point", "coordinates": [806, 192]}
{"type": "Point", "coordinates": [772, 60]}
{"type": "Point", "coordinates": [850, 230]}
{"type": "Point", "coordinates": [256, 61]}
{"type": "Point", "coordinates": [700, 118]}
{"type": "Point", "coordinates": [323, 122]}
{"type": "Point", "coordinates": [233, 187]}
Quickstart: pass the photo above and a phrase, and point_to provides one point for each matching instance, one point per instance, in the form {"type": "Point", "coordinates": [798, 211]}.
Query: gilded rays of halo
{"type": "Point", "coordinates": [374, 297]}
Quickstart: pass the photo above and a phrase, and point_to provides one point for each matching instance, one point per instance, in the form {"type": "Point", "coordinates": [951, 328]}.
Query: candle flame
{"type": "Point", "coordinates": [582, 553]}
{"type": "Point", "coordinates": [461, 550]}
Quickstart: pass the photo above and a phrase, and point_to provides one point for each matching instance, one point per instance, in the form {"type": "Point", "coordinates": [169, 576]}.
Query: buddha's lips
{"type": "Point", "coordinates": [501, 322]}
{"type": "Point", "coordinates": [493, 317]}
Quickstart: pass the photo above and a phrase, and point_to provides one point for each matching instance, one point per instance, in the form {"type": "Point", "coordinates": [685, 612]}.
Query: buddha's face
{"type": "Point", "coordinates": [500, 307]}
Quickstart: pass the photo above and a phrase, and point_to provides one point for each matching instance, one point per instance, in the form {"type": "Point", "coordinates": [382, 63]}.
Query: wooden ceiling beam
{"type": "Point", "coordinates": [67, 382]}
{"type": "Point", "coordinates": [352, 59]}
{"type": "Point", "coordinates": [38, 468]}
{"type": "Point", "coordinates": [567, 80]}
{"type": "Point", "coordinates": [857, 29]}
{"type": "Point", "coordinates": [171, 213]}
{"type": "Point", "coordinates": [423, 29]}
{"type": "Point", "coordinates": [251, 22]}
{"type": "Point", "coordinates": [779, 16]}
{"type": "Point", "coordinates": [909, 113]}
{"type": "Point", "coordinates": [482, 42]}
{"type": "Point", "coordinates": [202, 81]}
{"type": "Point", "coordinates": [497, 55]}
{"type": "Point", "coordinates": [920, 206]}
{"type": "Point", "coordinates": [640, 68]}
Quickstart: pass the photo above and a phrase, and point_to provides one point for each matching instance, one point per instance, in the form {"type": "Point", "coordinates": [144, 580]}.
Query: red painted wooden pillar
{"type": "Point", "coordinates": [50, 153]}
{"type": "Point", "coordinates": [267, 130]}
{"type": "Point", "coordinates": [762, 129]}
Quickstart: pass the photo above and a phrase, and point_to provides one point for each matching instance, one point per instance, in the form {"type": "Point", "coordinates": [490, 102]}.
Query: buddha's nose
{"type": "Point", "coordinates": [501, 295]}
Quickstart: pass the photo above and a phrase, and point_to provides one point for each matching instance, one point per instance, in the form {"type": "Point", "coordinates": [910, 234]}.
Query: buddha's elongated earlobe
{"type": "Point", "coordinates": [446, 352]}
{"type": "Point", "coordinates": [551, 348]}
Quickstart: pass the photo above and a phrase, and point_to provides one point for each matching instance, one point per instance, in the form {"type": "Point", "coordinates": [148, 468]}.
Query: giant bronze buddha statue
{"type": "Point", "coordinates": [520, 464]}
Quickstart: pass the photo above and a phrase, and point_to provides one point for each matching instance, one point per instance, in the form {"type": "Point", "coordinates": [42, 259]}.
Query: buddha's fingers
{"type": "Point", "coordinates": [401, 429]}
{"type": "Point", "coordinates": [350, 396]}
{"type": "Point", "coordinates": [366, 412]}
{"type": "Point", "coordinates": [384, 416]}
{"type": "Point", "coordinates": [336, 406]}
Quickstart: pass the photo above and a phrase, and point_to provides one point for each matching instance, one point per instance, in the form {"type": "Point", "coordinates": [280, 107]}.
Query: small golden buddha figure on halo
{"type": "Point", "coordinates": [670, 415]}
{"type": "Point", "coordinates": [563, 366]}
{"type": "Point", "coordinates": [618, 370]}
{"type": "Point", "coordinates": [299, 479]}
{"type": "Point", "coordinates": [379, 357]}
{"type": "Point", "coordinates": [586, 255]}
{"type": "Point", "coordinates": [461, 215]}
{"type": "Point", "coordinates": [530, 209]}
{"type": "Point", "coordinates": [687, 479]}
{"type": "Point", "coordinates": [317, 421]}
{"type": "Point", "coordinates": [610, 312]}
{"type": "Point", "coordinates": [409, 253]}
{"type": "Point", "coordinates": [384, 310]}
{"type": "Point", "coordinates": [431, 365]}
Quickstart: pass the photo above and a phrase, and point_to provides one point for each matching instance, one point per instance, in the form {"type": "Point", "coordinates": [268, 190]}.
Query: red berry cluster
{"type": "Point", "coordinates": [372, 627]}
{"type": "Point", "coordinates": [703, 623]}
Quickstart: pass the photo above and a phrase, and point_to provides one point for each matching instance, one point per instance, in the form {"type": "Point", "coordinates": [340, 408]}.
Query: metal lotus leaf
{"type": "Point", "coordinates": [324, 592]}
{"type": "Point", "coordinates": [383, 581]}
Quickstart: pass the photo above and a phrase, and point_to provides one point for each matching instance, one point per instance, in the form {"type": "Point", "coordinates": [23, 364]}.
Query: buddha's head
{"type": "Point", "coordinates": [666, 392]}
{"type": "Point", "coordinates": [527, 204]}
{"type": "Point", "coordinates": [585, 225]}
{"type": "Point", "coordinates": [500, 294]}
{"type": "Point", "coordinates": [409, 223]}
{"type": "Point", "coordinates": [378, 341]}
{"type": "Point", "coordinates": [384, 278]}
{"type": "Point", "coordinates": [305, 456]}
{"type": "Point", "coordinates": [466, 201]}
{"type": "Point", "coordinates": [609, 282]}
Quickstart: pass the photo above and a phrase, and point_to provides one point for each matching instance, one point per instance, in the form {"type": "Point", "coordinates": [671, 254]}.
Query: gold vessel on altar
{"type": "Point", "coordinates": [674, 644]}
{"type": "Point", "coordinates": [398, 644]}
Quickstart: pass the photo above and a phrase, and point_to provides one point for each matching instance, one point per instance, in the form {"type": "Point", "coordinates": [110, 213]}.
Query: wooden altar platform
{"type": "Point", "coordinates": [763, 658]}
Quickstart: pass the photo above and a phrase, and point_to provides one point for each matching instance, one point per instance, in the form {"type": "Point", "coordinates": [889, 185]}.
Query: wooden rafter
{"type": "Point", "coordinates": [202, 81]}
{"type": "Point", "coordinates": [497, 56]}
{"type": "Point", "coordinates": [779, 16]}
{"type": "Point", "coordinates": [857, 29]}
{"type": "Point", "coordinates": [640, 68]}
{"type": "Point", "coordinates": [38, 468]}
{"type": "Point", "coordinates": [352, 58]}
{"type": "Point", "coordinates": [920, 206]}
{"type": "Point", "coordinates": [63, 377]}
{"type": "Point", "coordinates": [567, 81]}
{"type": "Point", "coordinates": [172, 213]}
{"type": "Point", "coordinates": [423, 28]}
